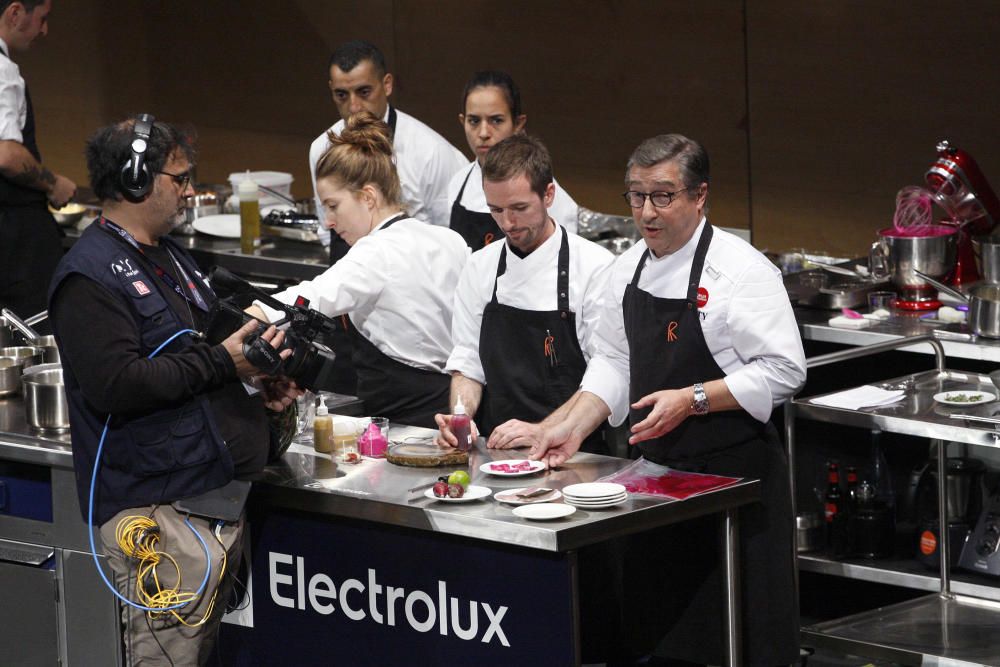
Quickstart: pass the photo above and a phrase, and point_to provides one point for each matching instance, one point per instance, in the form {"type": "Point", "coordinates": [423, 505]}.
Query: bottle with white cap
{"type": "Point", "coordinates": [249, 216]}
{"type": "Point", "coordinates": [461, 426]}
{"type": "Point", "coordinates": [323, 428]}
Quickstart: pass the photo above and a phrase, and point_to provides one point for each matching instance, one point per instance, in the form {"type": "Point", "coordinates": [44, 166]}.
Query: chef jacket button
{"type": "Point", "coordinates": [562, 295]}
{"type": "Point", "coordinates": [562, 273]}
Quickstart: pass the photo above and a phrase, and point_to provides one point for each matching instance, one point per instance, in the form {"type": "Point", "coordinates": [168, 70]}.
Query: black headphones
{"type": "Point", "coordinates": [135, 179]}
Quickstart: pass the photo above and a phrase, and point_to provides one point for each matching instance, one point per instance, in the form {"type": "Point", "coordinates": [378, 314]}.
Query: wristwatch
{"type": "Point", "coordinates": [700, 404]}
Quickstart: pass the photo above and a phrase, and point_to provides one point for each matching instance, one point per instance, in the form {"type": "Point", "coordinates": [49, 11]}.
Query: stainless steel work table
{"type": "Point", "coordinates": [374, 493]}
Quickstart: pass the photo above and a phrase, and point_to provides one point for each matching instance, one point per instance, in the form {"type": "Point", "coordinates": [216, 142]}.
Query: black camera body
{"type": "Point", "coordinates": [310, 363]}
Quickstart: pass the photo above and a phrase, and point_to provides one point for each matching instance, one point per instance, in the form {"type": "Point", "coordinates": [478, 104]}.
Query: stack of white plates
{"type": "Point", "coordinates": [595, 495]}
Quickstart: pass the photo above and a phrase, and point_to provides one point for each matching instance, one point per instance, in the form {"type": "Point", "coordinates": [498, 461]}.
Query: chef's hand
{"type": "Point", "coordinates": [558, 443]}
{"type": "Point", "coordinates": [445, 436]}
{"type": "Point", "coordinates": [670, 408]}
{"type": "Point", "coordinates": [280, 392]}
{"type": "Point", "coordinates": [515, 433]}
{"type": "Point", "coordinates": [62, 191]}
{"type": "Point", "coordinates": [234, 346]}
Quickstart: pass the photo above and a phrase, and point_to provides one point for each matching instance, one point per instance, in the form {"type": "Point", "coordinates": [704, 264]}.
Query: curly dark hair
{"type": "Point", "coordinates": [111, 147]}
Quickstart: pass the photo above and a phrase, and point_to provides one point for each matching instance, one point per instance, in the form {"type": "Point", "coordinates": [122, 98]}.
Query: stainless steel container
{"type": "Point", "coordinates": [6, 335]}
{"type": "Point", "coordinates": [10, 376]}
{"type": "Point", "coordinates": [901, 256]}
{"type": "Point", "coordinates": [26, 355]}
{"type": "Point", "coordinates": [45, 404]}
{"type": "Point", "coordinates": [810, 532]}
{"type": "Point", "coordinates": [987, 251]}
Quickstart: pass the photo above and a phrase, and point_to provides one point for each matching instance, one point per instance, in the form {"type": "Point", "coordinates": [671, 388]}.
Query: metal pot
{"type": "Point", "coordinates": [49, 347]}
{"type": "Point", "coordinates": [10, 376]}
{"type": "Point", "coordinates": [45, 404]}
{"type": "Point", "coordinates": [6, 335]}
{"type": "Point", "coordinates": [984, 306]}
{"type": "Point", "coordinates": [810, 533]}
{"type": "Point", "coordinates": [903, 257]}
{"type": "Point", "coordinates": [987, 251]}
{"type": "Point", "coordinates": [26, 355]}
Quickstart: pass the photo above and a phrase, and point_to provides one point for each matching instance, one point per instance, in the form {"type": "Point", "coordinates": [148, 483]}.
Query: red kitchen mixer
{"type": "Point", "coordinates": [959, 187]}
{"type": "Point", "coordinates": [956, 184]}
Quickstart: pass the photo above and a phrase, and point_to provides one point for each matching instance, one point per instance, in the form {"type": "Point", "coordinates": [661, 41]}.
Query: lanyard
{"type": "Point", "coordinates": [196, 298]}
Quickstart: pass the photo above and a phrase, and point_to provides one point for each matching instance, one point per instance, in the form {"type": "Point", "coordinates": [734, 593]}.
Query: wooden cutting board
{"type": "Point", "coordinates": [425, 455]}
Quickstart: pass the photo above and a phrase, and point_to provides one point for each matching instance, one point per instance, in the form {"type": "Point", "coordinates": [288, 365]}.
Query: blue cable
{"type": "Point", "coordinates": [90, 512]}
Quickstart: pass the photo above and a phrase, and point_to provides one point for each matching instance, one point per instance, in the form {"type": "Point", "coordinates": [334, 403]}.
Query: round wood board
{"type": "Point", "coordinates": [425, 455]}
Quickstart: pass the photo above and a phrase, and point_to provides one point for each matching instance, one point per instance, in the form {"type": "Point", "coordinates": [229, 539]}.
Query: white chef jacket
{"type": "Point", "coordinates": [13, 104]}
{"type": "Point", "coordinates": [425, 162]}
{"type": "Point", "coordinates": [564, 210]}
{"type": "Point", "coordinates": [397, 285]}
{"type": "Point", "coordinates": [748, 323]}
{"type": "Point", "coordinates": [527, 284]}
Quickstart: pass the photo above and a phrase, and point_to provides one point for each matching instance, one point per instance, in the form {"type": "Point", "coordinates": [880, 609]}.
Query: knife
{"type": "Point", "coordinates": [421, 487]}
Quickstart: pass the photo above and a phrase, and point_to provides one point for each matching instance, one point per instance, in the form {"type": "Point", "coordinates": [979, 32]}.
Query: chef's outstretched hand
{"type": "Point", "coordinates": [445, 436]}
{"type": "Point", "coordinates": [558, 443]}
{"type": "Point", "coordinates": [515, 433]}
{"type": "Point", "coordinates": [670, 408]}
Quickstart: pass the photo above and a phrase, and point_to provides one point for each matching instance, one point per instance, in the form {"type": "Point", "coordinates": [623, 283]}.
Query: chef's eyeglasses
{"type": "Point", "coordinates": [180, 179]}
{"type": "Point", "coordinates": [637, 199]}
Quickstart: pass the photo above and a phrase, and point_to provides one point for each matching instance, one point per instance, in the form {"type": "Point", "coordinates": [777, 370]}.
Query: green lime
{"type": "Point", "coordinates": [459, 477]}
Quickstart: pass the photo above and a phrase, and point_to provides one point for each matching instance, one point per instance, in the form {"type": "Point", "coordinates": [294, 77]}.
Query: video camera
{"type": "Point", "coordinates": [310, 363]}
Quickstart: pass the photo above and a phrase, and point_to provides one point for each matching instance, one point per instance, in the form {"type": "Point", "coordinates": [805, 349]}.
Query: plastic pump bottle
{"type": "Point", "coordinates": [461, 426]}
{"type": "Point", "coordinates": [323, 428]}
{"type": "Point", "coordinates": [249, 216]}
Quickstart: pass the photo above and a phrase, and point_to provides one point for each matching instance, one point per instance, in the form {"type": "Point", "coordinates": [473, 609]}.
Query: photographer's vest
{"type": "Point", "coordinates": [157, 456]}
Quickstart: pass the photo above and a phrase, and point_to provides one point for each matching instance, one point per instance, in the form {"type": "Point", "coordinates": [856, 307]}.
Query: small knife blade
{"type": "Point", "coordinates": [421, 487]}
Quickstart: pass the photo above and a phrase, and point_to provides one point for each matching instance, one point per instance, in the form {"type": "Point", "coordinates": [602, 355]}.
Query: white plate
{"type": "Point", "coordinates": [947, 397]}
{"type": "Point", "coordinates": [536, 466]}
{"type": "Point", "coordinates": [596, 503]}
{"type": "Point", "coordinates": [472, 493]}
{"type": "Point", "coordinates": [593, 490]}
{"type": "Point", "coordinates": [226, 225]}
{"type": "Point", "coordinates": [595, 506]}
{"type": "Point", "coordinates": [544, 511]}
{"type": "Point", "coordinates": [509, 496]}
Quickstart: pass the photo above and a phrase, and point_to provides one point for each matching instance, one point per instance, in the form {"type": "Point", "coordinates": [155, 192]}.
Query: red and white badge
{"type": "Point", "coordinates": [140, 287]}
{"type": "Point", "coordinates": [702, 297]}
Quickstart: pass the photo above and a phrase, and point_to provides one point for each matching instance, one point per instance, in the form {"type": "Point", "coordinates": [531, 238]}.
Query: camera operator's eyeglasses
{"type": "Point", "coordinates": [180, 179]}
{"type": "Point", "coordinates": [637, 199]}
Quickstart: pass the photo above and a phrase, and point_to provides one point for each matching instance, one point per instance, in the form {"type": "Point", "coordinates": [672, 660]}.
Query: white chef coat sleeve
{"type": "Point", "coordinates": [564, 210]}
{"type": "Point", "coordinates": [591, 308]}
{"type": "Point", "coordinates": [316, 151]}
{"type": "Point", "coordinates": [607, 374]}
{"type": "Point", "coordinates": [444, 163]}
{"type": "Point", "coordinates": [356, 280]}
{"type": "Point", "coordinates": [467, 320]}
{"type": "Point", "coordinates": [11, 101]}
{"type": "Point", "coordinates": [766, 339]}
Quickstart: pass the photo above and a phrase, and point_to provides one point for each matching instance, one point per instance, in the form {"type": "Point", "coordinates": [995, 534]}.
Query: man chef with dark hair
{"type": "Point", "coordinates": [697, 345]}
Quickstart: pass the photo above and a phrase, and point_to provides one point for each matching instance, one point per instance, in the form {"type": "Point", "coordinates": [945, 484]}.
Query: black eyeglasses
{"type": "Point", "coordinates": [637, 199]}
{"type": "Point", "coordinates": [180, 179]}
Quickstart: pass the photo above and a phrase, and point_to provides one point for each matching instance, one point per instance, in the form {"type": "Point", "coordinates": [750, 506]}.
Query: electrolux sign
{"type": "Point", "coordinates": [386, 597]}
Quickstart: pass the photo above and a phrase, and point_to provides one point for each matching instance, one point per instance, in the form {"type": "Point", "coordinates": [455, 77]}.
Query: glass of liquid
{"type": "Point", "coordinates": [345, 437]}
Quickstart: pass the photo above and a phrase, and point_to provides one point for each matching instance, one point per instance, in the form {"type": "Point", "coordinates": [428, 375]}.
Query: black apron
{"type": "Point", "coordinates": [478, 229]}
{"type": "Point", "coordinates": [531, 358]}
{"type": "Point", "coordinates": [672, 577]}
{"type": "Point", "coordinates": [343, 379]}
{"type": "Point", "coordinates": [392, 389]}
{"type": "Point", "coordinates": [30, 239]}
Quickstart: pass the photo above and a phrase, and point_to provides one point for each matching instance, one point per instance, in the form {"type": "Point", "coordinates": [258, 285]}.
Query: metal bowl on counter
{"type": "Point", "coordinates": [45, 404]}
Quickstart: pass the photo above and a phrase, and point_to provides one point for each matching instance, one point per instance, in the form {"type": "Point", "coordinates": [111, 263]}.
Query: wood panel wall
{"type": "Point", "coordinates": [814, 114]}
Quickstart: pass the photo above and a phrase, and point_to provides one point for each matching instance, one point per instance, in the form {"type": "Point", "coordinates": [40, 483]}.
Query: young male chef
{"type": "Point", "coordinates": [30, 241]}
{"type": "Point", "coordinates": [526, 310]}
{"type": "Point", "coordinates": [425, 160]}
{"type": "Point", "coordinates": [697, 345]}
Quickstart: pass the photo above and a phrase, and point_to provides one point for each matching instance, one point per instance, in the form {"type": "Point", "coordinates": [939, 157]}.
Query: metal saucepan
{"type": "Point", "coordinates": [45, 404]}
{"type": "Point", "coordinates": [984, 305]}
{"type": "Point", "coordinates": [47, 343]}
{"type": "Point", "coordinates": [987, 251]}
{"type": "Point", "coordinates": [25, 355]}
{"type": "Point", "coordinates": [10, 376]}
{"type": "Point", "coordinates": [902, 257]}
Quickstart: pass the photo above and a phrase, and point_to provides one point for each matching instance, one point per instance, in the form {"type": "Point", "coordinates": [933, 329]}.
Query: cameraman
{"type": "Point", "coordinates": [179, 424]}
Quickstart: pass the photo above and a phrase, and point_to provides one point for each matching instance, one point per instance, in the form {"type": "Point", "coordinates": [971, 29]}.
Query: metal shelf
{"type": "Point", "coordinates": [905, 573]}
{"type": "Point", "coordinates": [931, 630]}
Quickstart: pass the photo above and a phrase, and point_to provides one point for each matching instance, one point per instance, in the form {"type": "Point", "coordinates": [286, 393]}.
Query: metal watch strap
{"type": "Point", "coordinates": [700, 404]}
